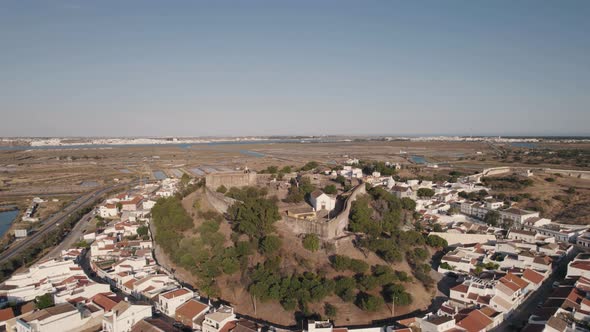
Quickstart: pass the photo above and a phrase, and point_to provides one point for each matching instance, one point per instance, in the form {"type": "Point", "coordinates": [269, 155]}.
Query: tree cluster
{"type": "Point", "coordinates": [253, 214]}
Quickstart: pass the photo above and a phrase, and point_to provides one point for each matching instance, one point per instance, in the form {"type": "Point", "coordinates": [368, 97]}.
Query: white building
{"type": "Point", "coordinates": [214, 322]}
{"type": "Point", "coordinates": [322, 201]}
{"type": "Point", "coordinates": [169, 301]}
{"type": "Point", "coordinates": [62, 317]}
{"type": "Point", "coordinates": [526, 236]}
{"type": "Point", "coordinates": [123, 316]}
{"type": "Point", "coordinates": [319, 326]}
{"type": "Point", "coordinates": [108, 210]}
{"type": "Point", "coordinates": [437, 324]}
{"type": "Point", "coordinates": [38, 280]}
{"type": "Point", "coordinates": [20, 233]}
{"type": "Point", "coordinates": [517, 215]}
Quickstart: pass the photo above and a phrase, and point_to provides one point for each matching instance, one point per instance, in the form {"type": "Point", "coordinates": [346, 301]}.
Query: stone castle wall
{"type": "Point", "coordinates": [330, 229]}
{"type": "Point", "coordinates": [230, 179]}
{"type": "Point", "coordinates": [218, 200]}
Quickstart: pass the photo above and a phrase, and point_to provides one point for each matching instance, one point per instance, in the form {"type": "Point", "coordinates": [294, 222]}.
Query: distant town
{"type": "Point", "coordinates": [357, 245]}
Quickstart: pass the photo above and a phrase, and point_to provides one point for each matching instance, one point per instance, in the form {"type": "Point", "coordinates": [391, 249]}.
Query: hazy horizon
{"type": "Point", "coordinates": [74, 68]}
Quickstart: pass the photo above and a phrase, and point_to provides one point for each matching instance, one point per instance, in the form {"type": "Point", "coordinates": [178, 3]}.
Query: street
{"type": "Point", "coordinates": [53, 221]}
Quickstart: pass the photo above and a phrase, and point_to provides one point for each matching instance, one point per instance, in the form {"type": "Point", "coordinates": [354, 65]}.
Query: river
{"type": "Point", "coordinates": [6, 219]}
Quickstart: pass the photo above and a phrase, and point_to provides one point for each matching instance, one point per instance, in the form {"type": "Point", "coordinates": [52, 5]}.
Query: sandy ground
{"type": "Point", "coordinates": [576, 208]}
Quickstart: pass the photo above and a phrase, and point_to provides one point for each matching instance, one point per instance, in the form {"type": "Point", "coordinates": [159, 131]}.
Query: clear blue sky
{"type": "Point", "coordinates": [195, 68]}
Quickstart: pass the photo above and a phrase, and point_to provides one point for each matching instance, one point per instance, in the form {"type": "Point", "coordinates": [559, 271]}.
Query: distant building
{"type": "Point", "coordinates": [108, 210]}
{"type": "Point", "coordinates": [402, 192]}
{"type": "Point", "coordinates": [517, 215]}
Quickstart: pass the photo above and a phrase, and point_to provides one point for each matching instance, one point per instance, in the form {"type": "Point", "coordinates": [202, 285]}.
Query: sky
{"type": "Point", "coordinates": [235, 68]}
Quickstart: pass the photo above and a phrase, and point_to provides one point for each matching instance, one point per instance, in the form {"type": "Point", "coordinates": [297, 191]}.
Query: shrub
{"type": "Point", "coordinates": [436, 241]}
{"type": "Point", "coordinates": [270, 245]}
{"type": "Point", "coordinates": [221, 189]}
{"type": "Point", "coordinates": [330, 189]}
{"type": "Point", "coordinates": [369, 302]}
{"type": "Point", "coordinates": [397, 293]}
{"type": "Point", "coordinates": [330, 311]}
{"type": "Point", "coordinates": [311, 242]}
{"type": "Point", "coordinates": [44, 301]}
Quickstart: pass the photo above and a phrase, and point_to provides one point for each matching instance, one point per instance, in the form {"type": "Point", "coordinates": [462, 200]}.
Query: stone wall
{"type": "Point", "coordinates": [573, 173]}
{"type": "Point", "coordinates": [330, 229]}
{"type": "Point", "coordinates": [230, 179]}
{"type": "Point", "coordinates": [219, 201]}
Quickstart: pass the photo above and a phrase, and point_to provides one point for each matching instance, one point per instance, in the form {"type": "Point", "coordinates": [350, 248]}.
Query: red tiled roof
{"type": "Point", "coordinates": [6, 314]}
{"type": "Point", "coordinates": [460, 288]}
{"type": "Point", "coordinates": [475, 321]}
{"type": "Point", "coordinates": [175, 293]}
{"type": "Point", "coordinates": [582, 265]}
{"type": "Point", "coordinates": [511, 278]}
{"type": "Point", "coordinates": [105, 302]}
{"type": "Point", "coordinates": [533, 276]}
{"type": "Point", "coordinates": [228, 326]}
{"type": "Point", "coordinates": [191, 308]}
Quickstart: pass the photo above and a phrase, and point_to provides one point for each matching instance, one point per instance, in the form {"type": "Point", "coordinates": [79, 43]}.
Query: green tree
{"type": "Point", "coordinates": [142, 231]}
{"type": "Point", "coordinates": [340, 179]}
{"type": "Point", "coordinates": [270, 245]}
{"type": "Point", "coordinates": [44, 301]}
{"type": "Point", "coordinates": [492, 218]}
{"type": "Point", "coordinates": [309, 166]}
{"type": "Point", "coordinates": [436, 241]}
{"type": "Point", "coordinates": [425, 192]}
{"type": "Point", "coordinates": [408, 204]}
{"type": "Point", "coordinates": [294, 195]}
{"type": "Point", "coordinates": [254, 216]}
{"type": "Point", "coordinates": [330, 311]}
{"type": "Point", "coordinates": [286, 169]}
{"type": "Point", "coordinates": [369, 302]}
{"type": "Point", "coordinates": [221, 189]}
{"type": "Point", "coordinates": [330, 189]}
{"type": "Point", "coordinates": [397, 293]}
{"type": "Point", "coordinates": [345, 288]}
{"type": "Point", "coordinates": [184, 180]}
{"type": "Point", "coordinates": [311, 242]}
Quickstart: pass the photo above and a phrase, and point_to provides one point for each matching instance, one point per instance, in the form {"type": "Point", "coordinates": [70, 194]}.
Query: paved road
{"type": "Point", "coordinates": [73, 237]}
{"type": "Point", "coordinates": [53, 221]}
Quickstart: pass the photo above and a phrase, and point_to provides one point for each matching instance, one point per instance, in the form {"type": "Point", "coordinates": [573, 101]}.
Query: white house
{"type": "Point", "coordinates": [108, 210]}
{"type": "Point", "coordinates": [437, 324]}
{"type": "Point", "coordinates": [190, 312]}
{"type": "Point", "coordinates": [148, 204]}
{"type": "Point", "coordinates": [38, 280]}
{"type": "Point", "coordinates": [62, 317]}
{"type": "Point", "coordinates": [517, 215]}
{"type": "Point", "coordinates": [215, 321]}
{"type": "Point", "coordinates": [526, 236]}
{"type": "Point", "coordinates": [402, 192]}
{"type": "Point", "coordinates": [169, 301]}
{"type": "Point", "coordinates": [123, 316]}
{"type": "Point", "coordinates": [131, 205]}
{"type": "Point", "coordinates": [322, 201]}
{"type": "Point", "coordinates": [20, 233]}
